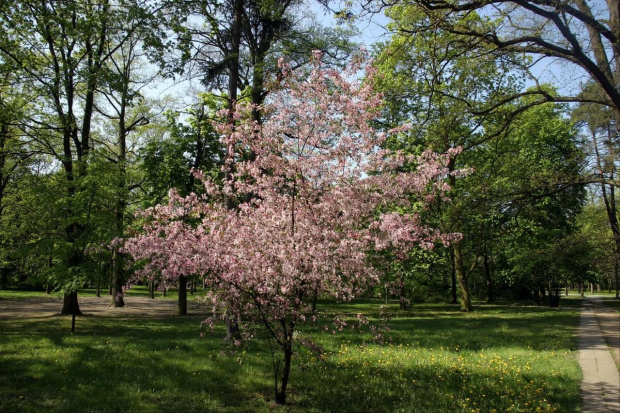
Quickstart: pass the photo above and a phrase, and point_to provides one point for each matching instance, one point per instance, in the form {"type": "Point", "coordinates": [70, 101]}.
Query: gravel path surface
{"type": "Point", "coordinates": [600, 387]}
{"type": "Point", "coordinates": [49, 306]}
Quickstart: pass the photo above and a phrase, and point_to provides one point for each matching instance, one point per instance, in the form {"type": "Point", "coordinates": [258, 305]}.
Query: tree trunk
{"type": "Point", "coordinates": [401, 292]}
{"type": "Point", "coordinates": [452, 277]}
{"type": "Point", "coordinates": [117, 280]}
{"type": "Point", "coordinates": [461, 276]}
{"type": "Point", "coordinates": [182, 295]}
{"type": "Point", "coordinates": [152, 288]}
{"type": "Point", "coordinates": [488, 278]}
{"type": "Point", "coordinates": [315, 298]}
{"type": "Point", "coordinates": [70, 305]}
{"type": "Point", "coordinates": [616, 275]}
{"type": "Point", "coordinates": [232, 328]}
{"type": "Point", "coordinates": [288, 353]}
{"type": "Point", "coordinates": [554, 294]}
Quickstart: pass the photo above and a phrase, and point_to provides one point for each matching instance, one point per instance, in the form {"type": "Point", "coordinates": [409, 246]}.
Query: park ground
{"type": "Point", "coordinates": [504, 357]}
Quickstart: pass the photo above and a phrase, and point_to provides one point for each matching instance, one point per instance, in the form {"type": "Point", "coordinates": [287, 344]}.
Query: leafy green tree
{"type": "Point", "coordinates": [441, 88]}
{"type": "Point", "coordinates": [600, 122]}
{"type": "Point", "coordinates": [62, 52]}
{"type": "Point", "coordinates": [524, 156]}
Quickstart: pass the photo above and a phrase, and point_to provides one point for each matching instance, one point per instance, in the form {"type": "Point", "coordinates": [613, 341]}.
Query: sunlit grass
{"type": "Point", "coordinates": [500, 357]}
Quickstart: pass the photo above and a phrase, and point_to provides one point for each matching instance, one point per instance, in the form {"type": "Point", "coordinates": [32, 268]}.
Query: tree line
{"type": "Point", "coordinates": [83, 146]}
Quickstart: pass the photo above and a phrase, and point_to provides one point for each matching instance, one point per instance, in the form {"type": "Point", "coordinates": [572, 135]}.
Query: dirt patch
{"type": "Point", "coordinates": [49, 306]}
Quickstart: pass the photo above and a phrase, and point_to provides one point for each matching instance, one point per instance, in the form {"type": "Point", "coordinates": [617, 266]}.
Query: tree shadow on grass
{"type": "Point", "coordinates": [536, 328]}
{"type": "Point", "coordinates": [120, 365]}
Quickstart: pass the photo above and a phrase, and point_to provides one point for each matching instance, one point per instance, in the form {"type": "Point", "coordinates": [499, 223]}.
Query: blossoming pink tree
{"type": "Point", "coordinates": [319, 189]}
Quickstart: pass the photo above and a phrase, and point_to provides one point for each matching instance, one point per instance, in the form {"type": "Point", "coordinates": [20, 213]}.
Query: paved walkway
{"type": "Point", "coordinates": [600, 388]}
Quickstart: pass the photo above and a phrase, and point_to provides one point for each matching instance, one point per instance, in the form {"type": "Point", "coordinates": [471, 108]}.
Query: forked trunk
{"type": "Point", "coordinates": [281, 393]}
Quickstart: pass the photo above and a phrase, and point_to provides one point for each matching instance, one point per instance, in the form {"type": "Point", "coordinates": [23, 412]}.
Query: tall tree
{"type": "Point", "coordinates": [601, 124]}
{"type": "Point", "coordinates": [439, 82]}
{"type": "Point", "coordinates": [61, 49]}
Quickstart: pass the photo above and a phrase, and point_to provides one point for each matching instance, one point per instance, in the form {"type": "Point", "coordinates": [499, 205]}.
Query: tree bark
{"type": "Point", "coordinates": [462, 277]}
{"type": "Point", "coordinates": [453, 277]}
{"type": "Point", "coordinates": [182, 295]}
{"type": "Point", "coordinates": [401, 292]}
{"type": "Point", "coordinates": [288, 354]}
{"type": "Point", "coordinates": [617, 297]}
{"type": "Point", "coordinates": [488, 277]}
{"type": "Point", "coordinates": [315, 298]}
{"type": "Point", "coordinates": [117, 280]}
{"type": "Point", "coordinates": [70, 305]}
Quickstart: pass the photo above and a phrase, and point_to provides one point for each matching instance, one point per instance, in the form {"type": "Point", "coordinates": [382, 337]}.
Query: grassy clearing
{"type": "Point", "coordinates": [504, 358]}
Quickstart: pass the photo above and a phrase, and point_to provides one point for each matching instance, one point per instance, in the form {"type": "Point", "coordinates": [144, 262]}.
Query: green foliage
{"type": "Point", "coordinates": [167, 163]}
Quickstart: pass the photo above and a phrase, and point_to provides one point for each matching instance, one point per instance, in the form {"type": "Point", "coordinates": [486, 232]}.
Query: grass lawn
{"type": "Point", "coordinates": [501, 357]}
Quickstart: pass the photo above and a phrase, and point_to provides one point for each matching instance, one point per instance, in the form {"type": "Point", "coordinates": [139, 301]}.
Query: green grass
{"type": "Point", "coordinates": [502, 357]}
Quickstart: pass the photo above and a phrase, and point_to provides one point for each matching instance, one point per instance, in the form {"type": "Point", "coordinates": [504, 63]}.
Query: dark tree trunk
{"type": "Point", "coordinates": [401, 292]}
{"type": "Point", "coordinates": [554, 295]}
{"type": "Point", "coordinates": [616, 276]}
{"type": "Point", "coordinates": [152, 289]}
{"type": "Point", "coordinates": [117, 280]}
{"type": "Point", "coordinates": [288, 354]}
{"type": "Point", "coordinates": [488, 278]}
{"type": "Point", "coordinates": [232, 328]}
{"type": "Point", "coordinates": [70, 305]}
{"type": "Point", "coordinates": [182, 295]}
{"type": "Point", "coordinates": [315, 298]}
{"type": "Point", "coordinates": [453, 277]}
{"type": "Point", "coordinates": [536, 295]}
